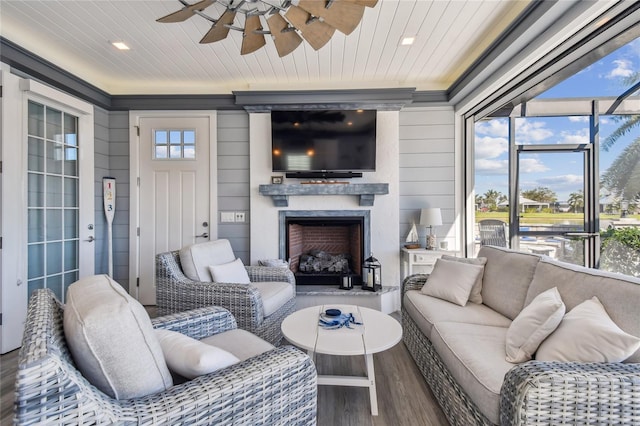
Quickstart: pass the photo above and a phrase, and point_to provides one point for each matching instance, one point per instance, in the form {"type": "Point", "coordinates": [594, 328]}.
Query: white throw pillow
{"type": "Point", "coordinates": [196, 258]}
{"type": "Point", "coordinates": [534, 324]}
{"type": "Point", "coordinates": [587, 334]}
{"type": "Point", "coordinates": [275, 263]}
{"type": "Point", "coordinates": [452, 281]}
{"type": "Point", "coordinates": [476, 295]}
{"type": "Point", "coordinates": [112, 341]}
{"type": "Point", "coordinates": [191, 358]}
{"type": "Point", "coordinates": [232, 272]}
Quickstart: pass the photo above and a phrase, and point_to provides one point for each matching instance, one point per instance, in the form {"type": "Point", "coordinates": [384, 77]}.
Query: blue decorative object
{"type": "Point", "coordinates": [337, 322]}
{"type": "Point", "coordinates": [333, 312]}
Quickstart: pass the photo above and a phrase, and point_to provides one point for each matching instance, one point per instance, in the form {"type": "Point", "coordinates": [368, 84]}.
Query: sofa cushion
{"type": "Point", "coordinates": [191, 358]}
{"type": "Point", "coordinates": [232, 272]}
{"type": "Point", "coordinates": [475, 356]}
{"type": "Point", "coordinates": [240, 343]}
{"type": "Point", "coordinates": [112, 341]}
{"type": "Point", "coordinates": [506, 280]}
{"type": "Point", "coordinates": [452, 281]}
{"type": "Point", "coordinates": [587, 334]}
{"type": "Point", "coordinates": [196, 258]}
{"type": "Point", "coordinates": [274, 295]}
{"type": "Point", "coordinates": [476, 290]}
{"type": "Point", "coordinates": [426, 311]}
{"type": "Point", "coordinates": [619, 294]}
{"type": "Point", "coordinates": [534, 324]}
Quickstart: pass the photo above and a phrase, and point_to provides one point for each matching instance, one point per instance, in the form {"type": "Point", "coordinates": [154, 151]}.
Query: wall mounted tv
{"type": "Point", "coordinates": [323, 143]}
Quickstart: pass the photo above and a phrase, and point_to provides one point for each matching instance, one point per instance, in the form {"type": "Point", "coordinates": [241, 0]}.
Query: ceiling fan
{"type": "Point", "coordinates": [288, 23]}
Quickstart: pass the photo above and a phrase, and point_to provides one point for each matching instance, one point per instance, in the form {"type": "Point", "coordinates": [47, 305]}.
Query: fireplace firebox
{"type": "Point", "coordinates": [324, 246]}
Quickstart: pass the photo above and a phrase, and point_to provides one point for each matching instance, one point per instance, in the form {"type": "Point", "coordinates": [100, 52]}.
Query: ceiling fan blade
{"type": "Point", "coordinates": [316, 32]}
{"type": "Point", "coordinates": [186, 12]}
{"type": "Point", "coordinates": [285, 40]}
{"type": "Point", "coordinates": [252, 41]}
{"type": "Point", "coordinates": [344, 15]}
{"type": "Point", "coordinates": [368, 3]}
{"type": "Point", "coordinates": [218, 30]}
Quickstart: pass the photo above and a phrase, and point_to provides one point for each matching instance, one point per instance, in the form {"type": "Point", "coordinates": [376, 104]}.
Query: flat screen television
{"type": "Point", "coordinates": [323, 141]}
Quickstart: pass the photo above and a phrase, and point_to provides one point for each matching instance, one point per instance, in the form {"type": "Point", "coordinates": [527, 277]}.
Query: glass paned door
{"type": "Point", "coordinates": [52, 199]}
{"type": "Point", "coordinates": [551, 216]}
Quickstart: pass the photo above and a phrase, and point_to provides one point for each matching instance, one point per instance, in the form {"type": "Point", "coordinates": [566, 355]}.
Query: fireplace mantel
{"type": "Point", "coordinates": [367, 191]}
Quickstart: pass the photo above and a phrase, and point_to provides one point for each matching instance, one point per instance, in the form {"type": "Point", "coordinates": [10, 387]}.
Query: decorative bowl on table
{"type": "Point", "coordinates": [412, 246]}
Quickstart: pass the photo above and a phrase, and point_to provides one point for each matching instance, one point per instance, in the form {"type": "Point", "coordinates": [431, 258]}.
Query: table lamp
{"type": "Point", "coordinates": [431, 217]}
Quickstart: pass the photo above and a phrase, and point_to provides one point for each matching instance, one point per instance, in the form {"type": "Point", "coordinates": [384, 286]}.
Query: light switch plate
{"type": "Point", "coordinates": [227, 217]}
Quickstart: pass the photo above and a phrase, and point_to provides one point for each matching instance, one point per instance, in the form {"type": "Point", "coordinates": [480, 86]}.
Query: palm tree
{"type": "Point", "coordinates": [576, 201]}
{"type": "Point", "coordinates": [491, 198]}
{"type": "Point", "coordinates": [623, 176]}
{"type": "Point", "coordinates": [479, 200]}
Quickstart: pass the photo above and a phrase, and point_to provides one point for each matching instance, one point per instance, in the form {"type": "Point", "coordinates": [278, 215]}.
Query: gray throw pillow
{"type": "Point", "coordinates": [452, 281]}
{"type": "Point", "coordinates": [475, 296]}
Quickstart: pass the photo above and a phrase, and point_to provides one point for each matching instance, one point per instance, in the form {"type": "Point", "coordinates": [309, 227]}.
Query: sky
{"type": "Point", "coordinates": [562, 172]}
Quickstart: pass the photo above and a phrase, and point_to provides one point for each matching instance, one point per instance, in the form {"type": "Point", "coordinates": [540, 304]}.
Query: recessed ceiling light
{"type": "Point", "coordinates": [120, 45]}
{"type": "Point", "coordinates": [408, 41]}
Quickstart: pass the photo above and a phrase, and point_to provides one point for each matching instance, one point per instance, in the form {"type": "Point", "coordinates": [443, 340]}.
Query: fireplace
{"type": "Point", "coordinates": [323, 246]}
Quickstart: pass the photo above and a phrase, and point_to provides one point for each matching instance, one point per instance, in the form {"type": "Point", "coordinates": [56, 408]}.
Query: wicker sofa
{"type": "Point", "coordinates": [176, 292]}
{"type": "Point", "coordinates": [460, 349]}
{"type": "Point", "coordinates": [278, 387]}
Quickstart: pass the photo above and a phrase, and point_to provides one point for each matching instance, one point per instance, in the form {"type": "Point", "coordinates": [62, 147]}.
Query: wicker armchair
{"type": "Point", "coordinates": [175, 292]}
{"type": "Point", "coordinates": [534, 392]}
{"type": "Point", "coordinates": [278, 387]}
{"type": "Point", "coordinates": [493, 233]}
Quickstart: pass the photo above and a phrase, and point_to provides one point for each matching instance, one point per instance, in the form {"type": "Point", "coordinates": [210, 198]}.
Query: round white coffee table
{"type": "Point", "coordinates": [377, 333]}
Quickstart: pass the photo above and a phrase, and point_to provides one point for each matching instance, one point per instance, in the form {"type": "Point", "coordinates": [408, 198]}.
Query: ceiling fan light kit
{"type": "Point", "coordinates": [312, 20]}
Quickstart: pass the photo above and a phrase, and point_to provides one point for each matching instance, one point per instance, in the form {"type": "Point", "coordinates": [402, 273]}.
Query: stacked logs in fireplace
{"type": "Point", "coordinates": [320, 267]}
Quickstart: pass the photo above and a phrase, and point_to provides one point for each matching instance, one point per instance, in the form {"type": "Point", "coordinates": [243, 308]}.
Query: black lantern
{"type": "Point", "coordinates": [346, 282]}
{"type": "Point", "coordinates": [372, 274]}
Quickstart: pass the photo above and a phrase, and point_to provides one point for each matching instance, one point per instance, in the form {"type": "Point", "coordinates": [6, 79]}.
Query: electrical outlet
{"type": "Point", "coordinates": [227, 217]}
{"type": "Point", "coordinates": [239, 216]}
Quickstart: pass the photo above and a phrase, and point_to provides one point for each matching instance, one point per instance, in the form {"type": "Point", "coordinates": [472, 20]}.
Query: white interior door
{"type": "Point", "coordinates": [175, 191]}
{"type": "Point", "coordinates": [47, 145]}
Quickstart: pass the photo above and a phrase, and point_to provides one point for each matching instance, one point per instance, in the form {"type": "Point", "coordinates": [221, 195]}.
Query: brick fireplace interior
{"type": "Point", "coordinates": [335, 237]}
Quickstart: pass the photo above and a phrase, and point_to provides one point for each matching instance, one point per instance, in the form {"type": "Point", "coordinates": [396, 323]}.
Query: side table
{"type": "Point", "coordinates": [420, 260]}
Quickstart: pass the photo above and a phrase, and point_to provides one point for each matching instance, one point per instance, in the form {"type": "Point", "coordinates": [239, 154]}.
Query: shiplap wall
{"type": "Point", "coordinates": [101, 169]}
{"type": "Point", "coordinates": [119, 169]}
{"type": "Point", "coordinates": [426, 177]}
{"type": "Point", "coordinates": [427, 169]}
{"type": "Point", "coordinates": [233, 178]}
{"type": "Point", "coordinates": [112, 159]}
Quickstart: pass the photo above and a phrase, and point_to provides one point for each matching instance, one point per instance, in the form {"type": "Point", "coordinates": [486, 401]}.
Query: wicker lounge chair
{"type": "Point", "coordinates": [175, 292]}
{"type": "Point", "coordinates": [278, 387]}
{"type": "Point", "coordinates": [492, 233]}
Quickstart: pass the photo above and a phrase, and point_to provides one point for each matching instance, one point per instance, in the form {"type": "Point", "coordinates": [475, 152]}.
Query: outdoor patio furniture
{"type": "Point", "coordinates": [258, 307]}
{"type": "Point", "coordinates": [492, 233]}
{"type": "Point", "coordinates": [278, 387]}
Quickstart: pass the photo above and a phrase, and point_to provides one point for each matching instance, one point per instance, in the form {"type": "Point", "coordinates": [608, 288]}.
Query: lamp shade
{"type": "Point", "coordinates": [431, 217]}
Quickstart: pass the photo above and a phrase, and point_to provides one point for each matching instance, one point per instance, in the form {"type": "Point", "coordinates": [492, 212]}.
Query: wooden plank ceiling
{"type": "Point", "coordinates": [167, 58]}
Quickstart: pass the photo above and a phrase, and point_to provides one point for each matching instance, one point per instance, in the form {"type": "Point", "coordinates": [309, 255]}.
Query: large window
{"type": "Point", "coordinates": [562, 172]}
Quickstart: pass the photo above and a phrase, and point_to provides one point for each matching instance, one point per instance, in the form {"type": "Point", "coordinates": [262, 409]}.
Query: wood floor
{"type": "Point", "coordinates": [404, 399]}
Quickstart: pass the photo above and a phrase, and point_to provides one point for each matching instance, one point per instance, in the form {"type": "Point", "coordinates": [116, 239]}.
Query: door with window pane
{"type": "Point", "coordinates": [175, 190]}
{"type": "Point", "coordinates": [552, 215]}
{"type": "Point", "coordinates": [52, 199]}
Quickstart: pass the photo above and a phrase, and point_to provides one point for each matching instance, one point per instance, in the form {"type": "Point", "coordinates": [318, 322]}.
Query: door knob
{"type": "Point", "coordinates": [203, 235]}
{"type": "Point", "coordinates": [90, 239]}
